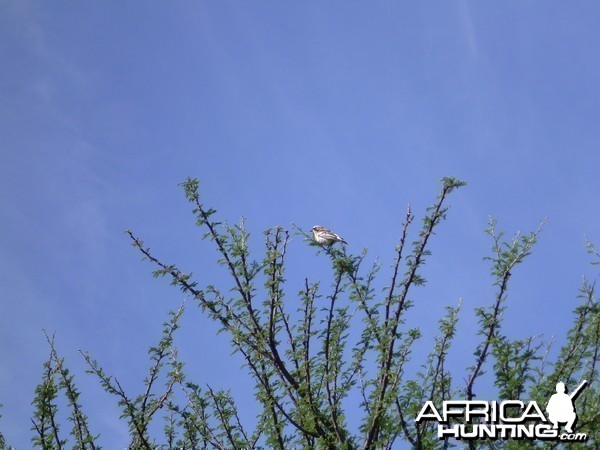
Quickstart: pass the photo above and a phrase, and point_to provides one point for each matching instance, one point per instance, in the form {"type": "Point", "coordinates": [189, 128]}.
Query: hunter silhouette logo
{"type": "Point", "coordinates": [508, 419]}
{"type": "Point", "coordinates": [561, 408]}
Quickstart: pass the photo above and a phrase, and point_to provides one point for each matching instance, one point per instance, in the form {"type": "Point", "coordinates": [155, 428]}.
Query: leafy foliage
{"type": "Point", "coordinates": [309, 356]}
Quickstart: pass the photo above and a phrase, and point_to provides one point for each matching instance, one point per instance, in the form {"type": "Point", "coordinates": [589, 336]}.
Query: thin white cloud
{"type": "Point", "coordinates": [468, 26]}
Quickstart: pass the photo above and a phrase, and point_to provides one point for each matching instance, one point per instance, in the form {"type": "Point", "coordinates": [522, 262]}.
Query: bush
{"type": "Point", "coordinates": [306, 360]}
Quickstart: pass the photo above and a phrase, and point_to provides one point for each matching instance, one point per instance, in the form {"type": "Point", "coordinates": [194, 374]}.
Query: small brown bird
{"type": "Point", "coordinates": [323, 236]}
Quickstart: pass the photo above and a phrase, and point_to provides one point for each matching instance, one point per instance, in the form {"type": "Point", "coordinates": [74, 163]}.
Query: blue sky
{"type": "Point", "coordinates": [332, 113]}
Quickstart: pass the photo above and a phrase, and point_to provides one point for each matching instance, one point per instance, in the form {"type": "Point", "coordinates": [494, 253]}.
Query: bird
{"type": "Point", "coordinates": [323, 236]}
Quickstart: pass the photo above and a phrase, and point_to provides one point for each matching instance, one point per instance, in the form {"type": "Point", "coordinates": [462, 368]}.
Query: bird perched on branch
{"type": "Point", "coordinates": [323, 236]}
